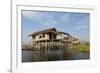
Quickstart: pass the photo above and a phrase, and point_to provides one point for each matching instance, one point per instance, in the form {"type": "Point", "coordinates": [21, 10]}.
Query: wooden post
{"type": "Point", "coordinates": [52, 41]}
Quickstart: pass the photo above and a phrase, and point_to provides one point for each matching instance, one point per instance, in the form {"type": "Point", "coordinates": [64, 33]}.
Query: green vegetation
{"type": "Point", "coordinates": [83, 47]}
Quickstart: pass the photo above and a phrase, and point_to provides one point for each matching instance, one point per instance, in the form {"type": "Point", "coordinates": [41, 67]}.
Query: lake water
{"type": "Point", "coordinates": [35, 56]}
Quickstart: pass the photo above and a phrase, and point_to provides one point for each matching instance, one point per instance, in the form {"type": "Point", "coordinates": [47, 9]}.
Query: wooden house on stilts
{"type": "Point", "coordinates": [51, 39]}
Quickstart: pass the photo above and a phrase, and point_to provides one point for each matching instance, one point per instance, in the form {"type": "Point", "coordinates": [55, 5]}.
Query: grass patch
{"type": "Point", "coordinates": [84, 48]}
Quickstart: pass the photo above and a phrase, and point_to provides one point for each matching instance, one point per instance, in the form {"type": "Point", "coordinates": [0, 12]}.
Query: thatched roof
{"type": "Point", "coordinates": [64, 33]}
{"type": "Point", "coordinates": [51, 30]}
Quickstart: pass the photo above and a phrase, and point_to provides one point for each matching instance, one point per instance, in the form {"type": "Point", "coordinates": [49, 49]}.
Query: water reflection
{"type": "Point", "coordinates": [35, 56]}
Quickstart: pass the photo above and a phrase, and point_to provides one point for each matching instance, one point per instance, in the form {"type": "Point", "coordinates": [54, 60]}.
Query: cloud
{"type": "Point", "coordinates": [51, 19]}
{"type": "Point", "coordinates": [29, 14]}
{"type": "Point", "coordinates": [81, 27]}
{"type": "Point", "coordinates": [82, 23]}
{"type": "Point", "coordinates": [65, 18]}
{"type": "Point", "coordinates": [44, 19]}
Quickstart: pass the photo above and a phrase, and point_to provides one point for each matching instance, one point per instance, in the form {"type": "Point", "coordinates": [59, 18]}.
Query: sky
{"type": "Point", "coordinates": [75, 23]}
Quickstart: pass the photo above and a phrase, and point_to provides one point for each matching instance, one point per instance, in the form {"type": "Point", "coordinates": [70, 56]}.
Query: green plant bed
{"type": "Point", "coordinates": [82, 48]}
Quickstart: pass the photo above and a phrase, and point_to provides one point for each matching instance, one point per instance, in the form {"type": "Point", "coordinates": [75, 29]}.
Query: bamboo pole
{"type": "Point", "coordinates": [52, 41]}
